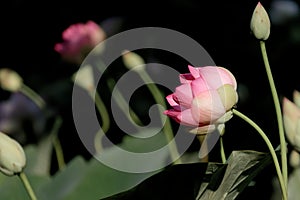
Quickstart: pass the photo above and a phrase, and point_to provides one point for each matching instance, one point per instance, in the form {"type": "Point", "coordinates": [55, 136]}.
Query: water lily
{"type": "Point", "coordinates": [78, 40]}
{"type": "Point", "coordinates": [204, 99]}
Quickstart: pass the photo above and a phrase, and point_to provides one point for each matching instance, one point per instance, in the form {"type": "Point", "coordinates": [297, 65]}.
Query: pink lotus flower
{"type": "Point", "coordinates": [204, 99]}
{"type": "Point", "coordinates": [79, 40]}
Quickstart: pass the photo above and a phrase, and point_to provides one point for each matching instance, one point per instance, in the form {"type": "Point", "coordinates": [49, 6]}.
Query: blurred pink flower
{"type": "Point", "coordinates": [204, 99]}
{"type": "Point", "coordinates": [78, 40]}
{"type": "Point", "coordinates": [291, 119]}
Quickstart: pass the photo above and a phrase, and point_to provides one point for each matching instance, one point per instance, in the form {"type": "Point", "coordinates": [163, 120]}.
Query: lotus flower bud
{"type": "Point", "coordinates": [132, 60]}
{"type": "Point", "coordinates": [84, 77]}
{"type": "Point", "coordinates": [291, 119]}
{"type": "Point", "coordinates": [12, 156]}
{"type": "Point", "coordinates": [204, 99]}
{"type": "Point", "coordinates": [78, 40]}
{"type": "Point", "coordinates": [260, 23]}
{"type": "Point", "coordinates": [10, 80]}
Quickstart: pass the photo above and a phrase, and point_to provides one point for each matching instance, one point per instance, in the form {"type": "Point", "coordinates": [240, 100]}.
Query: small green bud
{"type": "Point", "coordinates": [12, 156]}
{"type": "Point", "coordinates": [132, 60]}
{"type": "Point", "coordinates": [260, 23]}
{"type": "Point", "coordinates": [10, 80]}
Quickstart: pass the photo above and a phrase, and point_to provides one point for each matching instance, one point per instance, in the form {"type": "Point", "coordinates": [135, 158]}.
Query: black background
{"type": "Point", "coordinates": [29, 30]}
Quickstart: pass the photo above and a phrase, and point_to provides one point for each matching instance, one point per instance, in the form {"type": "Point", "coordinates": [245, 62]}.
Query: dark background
{"type": "Point", "coordinates": [29, 30]}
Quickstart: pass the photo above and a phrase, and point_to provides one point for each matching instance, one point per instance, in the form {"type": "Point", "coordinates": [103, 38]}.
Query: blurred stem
{"type": "Point", "coordinates": [278, 113]}
{"type": "Point", "coordinates": [118, 97]}
{"type": "Point", "coordinates": [103, 112]}
{"type": "Point", "coordinates": [201, 139]}
{"type": "Point", "coordinates": [223, 156]}
{"type": "Point", "coordinates": [27, 185]}
{"type": "Point", "coordinates": [271, 148]}
{"type": "Point", "coordinates": [36, 98]}
{"type": "Point", "coordinates": [105, 121]}
{"type": "Point", "coordinates": [159, 98]}
{"type": "Point", "coordinates": [57, 144]}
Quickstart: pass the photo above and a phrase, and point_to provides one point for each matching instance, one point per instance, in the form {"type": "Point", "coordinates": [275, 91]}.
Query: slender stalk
{"type": "Point", "coordinates": [201, 139]}
{"type": "Point", "coordinates": [36, 98]}
{"type": "Point", "coordinates": [118, 97]}
{"type": "Point", "coordinates": [57, 145]}
{"type": "Point", "coordinates": [103, 112]}
{"type": "Point", "coordinates": [223, 156]}
{"type": "Point", "coordinates": [278, 113]}
{"type": "Point", "coordinates": [105, 121]}
{"type": "Point", "coordinates": [157, 94]}
{"type": "Point", "coordinates": [27, 185]}
{"type": "Point", "coordinates": [271, 148]}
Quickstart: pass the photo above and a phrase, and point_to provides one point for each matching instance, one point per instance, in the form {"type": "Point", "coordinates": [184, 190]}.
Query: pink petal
{"type": "Point", "coordinates": [172, 100]}
{"type": "Point", "coordinates": [291, 110]}
{"type": "Point", "coordinates": [198, 86]}
{"type": "Point", "coordinates": [217, 76]}
{"type": "Point", "coordinates": [194, 71]}
{"type": "Point", "coordinates": [184, 95]}
{"type": "Point", "coordinates": [186, 78]}
{"type": "Point", "coordinates": [207, 107]}
{"type": "Point", "coordinates": [186, 118]}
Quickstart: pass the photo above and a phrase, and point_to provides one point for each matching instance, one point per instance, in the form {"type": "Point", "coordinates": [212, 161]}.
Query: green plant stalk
{"type": "Point", "coordinates": [27, 185]}
{"type": "Point", "coordinates": [223, 156]}
{"type": "Point", "coordinates": [118, 97]}
{"type": "Point", "coordinates": [103, 112]}
{"type": "Point", "coordinates": [278, 113]}
{"type": "Point", "coordinates": [105, 120]}
{"type": "Point", "coordinates": [57, 144]}
{"type": "Point", "coordinates": [271, 148]}
{"type": "Point", "coordinates": [36, 98]}
{"type": "Point", "coordinates": [157, 94]}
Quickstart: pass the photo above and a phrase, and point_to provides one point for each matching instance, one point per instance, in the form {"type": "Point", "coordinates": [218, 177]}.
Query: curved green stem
{"type": "Point", "coordinates": [105, 121]}
{"type": "Point", "coordinates": [36, 98]}
{"type": "Point", "coordinates": [223, 156]}
{"type": "Point", "coordinates": [57, 145]}
{"type": "Point", "coordinates": [27, 185]}
{"type": "Point", "coordinates": [157, 94]}
{"type": "Point", "coordinates": [118, 97]}
{"type": "Point", "coordinates": [271, 148]}
{"type": "Point", "coordinates": [278, 113]}
{"type": "Point", "coordinates": [103, 112]}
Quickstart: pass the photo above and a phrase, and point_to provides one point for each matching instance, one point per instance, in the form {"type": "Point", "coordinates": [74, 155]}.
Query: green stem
{"type": "Point", "coordinates": [223, 156]}
{"type": "Point", "coordinates": [105, 121]}
{"type": "Point", "coordinates": [103, 112]}
{"type": "Point", "coordinates": [270, 146]}
{"type": "Point", "coordinates": [118, 97]}
{"type": "Point", "coordinates": [278, 113]}
{"type": "Point", "coordinates": [36, 98]}
{"type": "Point", "coordinates": [27, 185]}
{"type": "Point", "coordinates": [157, 94]}
{"type": "Point", "coordinates": [57, 144]}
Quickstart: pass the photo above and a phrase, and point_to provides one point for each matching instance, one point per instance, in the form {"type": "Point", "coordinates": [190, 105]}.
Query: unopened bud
{"type": "Point", "coordinates": [132, 60]}
{"type": "Point", "coordinates": [260, 23]}
{"type": "Point", "coordinates": [84, 77]}
{"type": "Point", "coordinates": [12, 156]}
{"type": "Point", "coordinates": [10, 80]}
